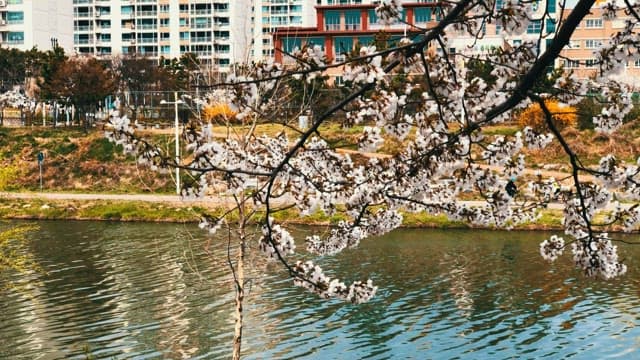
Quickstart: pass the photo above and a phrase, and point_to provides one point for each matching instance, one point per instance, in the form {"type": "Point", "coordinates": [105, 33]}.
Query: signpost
{"type": "Point", "coordinates": [40, 161]}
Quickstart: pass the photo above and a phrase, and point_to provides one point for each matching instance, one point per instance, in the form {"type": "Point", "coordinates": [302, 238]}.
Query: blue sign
{"type": "Point", "coordinates": [40, 157]}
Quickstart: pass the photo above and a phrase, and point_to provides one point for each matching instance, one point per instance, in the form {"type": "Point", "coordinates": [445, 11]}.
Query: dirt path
{"type": "Point", "coordinates": [209, 201]}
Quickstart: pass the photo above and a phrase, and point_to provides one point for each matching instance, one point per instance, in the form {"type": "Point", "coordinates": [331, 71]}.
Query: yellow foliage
{"type": "Point", "coordinates": [218, 112]}
{"type": "Point", "coordinates": [563, 116]}
{"type": "Point", "coordinates": [8, 176]}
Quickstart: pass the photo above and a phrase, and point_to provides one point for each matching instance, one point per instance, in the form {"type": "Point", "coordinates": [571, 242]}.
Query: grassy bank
{"type": "Point", "coordinates": [103, 210]}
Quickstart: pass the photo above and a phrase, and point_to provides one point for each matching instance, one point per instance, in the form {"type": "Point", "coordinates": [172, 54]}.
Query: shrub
{"type": "Point", "coordinates": [218, 112]}
{"type": "Point", "coordinates": [8, 177]}
{"type": "Point", "coordinates": [103, 150]}
{"type": "Point", "coordinates": [65, 147]}
{"type": "Point", "coordinates": [563, 116]}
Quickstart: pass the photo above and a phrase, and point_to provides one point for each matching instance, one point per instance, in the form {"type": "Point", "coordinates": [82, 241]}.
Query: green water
{"type": "Point", "coordinates": [139, 291]}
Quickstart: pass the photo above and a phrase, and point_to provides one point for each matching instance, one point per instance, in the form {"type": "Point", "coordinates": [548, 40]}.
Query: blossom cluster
{"type": "Point", "coordinates": [311, 277]}
{"type": "Point", "coordinates": [436, 120]}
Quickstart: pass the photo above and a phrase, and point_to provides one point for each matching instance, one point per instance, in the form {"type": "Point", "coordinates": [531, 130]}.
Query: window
{"type": "Point", "coordinates": [313, 41]}
{"type": "Point", "coordinates": [422, 15]}
{"type": "Point", "coordinates": [373, 18]}
{"type": "Point", "coordinates": [15, 17]}
{"type": "Point", "coordinates": [636, 63]}
{"type": "Point", "coordinates": [593, 23]}
{"type": "Point", "coordinates": [332, 21]}
{"type": "Point", "coordinates": [570, 64]}
{"type": "Point", "coordinates": [534, 27]}
{"type": "Point", "coordinates": [343, 45]}
{"type": "Point", "coordinates": [550, 26]}
{"type": "Point", "coordinates": [592, 44]}
{"type": "Point", "coordinates": [16, 37]}
{"type": "Point", "coordinates": [590, 63]}
{"type": "Point", "coordinates": [352, 19]}
{"type": "Point", "coordinates": [289, 45]}
{"type": "Point", "coordinates": [366, 40]}
{"type": "Point", "coordinates": [574, 44]}
{"type": "Point", "coordinates": [498, 29]}
{"type": "Point", "coordinates": [551, 6]}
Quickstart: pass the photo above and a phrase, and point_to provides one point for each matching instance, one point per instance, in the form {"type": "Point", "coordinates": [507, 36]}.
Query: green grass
{"type": "Point", "coordinates": [103, 150]}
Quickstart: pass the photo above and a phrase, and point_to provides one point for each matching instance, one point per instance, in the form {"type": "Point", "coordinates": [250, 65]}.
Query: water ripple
{"type": "Point", "coordinates": [147, 291]}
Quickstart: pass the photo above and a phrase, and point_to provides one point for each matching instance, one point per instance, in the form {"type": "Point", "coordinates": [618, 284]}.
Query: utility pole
{"type": "Point", "coordinates": [175, 103]}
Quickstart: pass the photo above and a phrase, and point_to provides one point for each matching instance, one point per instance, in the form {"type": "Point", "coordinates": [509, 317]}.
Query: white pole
{"type": "Point", "coordinates": [175, 104]}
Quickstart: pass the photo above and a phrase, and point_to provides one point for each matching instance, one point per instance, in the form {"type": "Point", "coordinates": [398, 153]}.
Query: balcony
{"type": "Point", "coordinates": [203, 39]}
{"type": "Point", "coordinates": [147, 26]}
{"type": "Point", "coordinates": [201, 25]}
{"type": "Point", "coordinates": [201, 12]}
{"type": "Point", "coordinates": [148, 40]}
{"type": "Point", "coordinates": [353, 26]}
{"type": "Point", "coordinates": [152, 13]}
{"type": "Point", "coordinates": [332, 27]}
{"type": "Point", "coordinates": [83, 15]}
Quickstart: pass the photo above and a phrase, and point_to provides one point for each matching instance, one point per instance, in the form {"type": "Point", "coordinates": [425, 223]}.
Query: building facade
{"type": "Point", "coordinates": [25, 24]}
{"type": "Point", "coordinates": [593, 32]}
{"type": "Point", "coordinates": [217, 31]}
{"type": "Point", "coordinates": [343, 26]}
{"type": "Point", "coordinates": [270, 15]}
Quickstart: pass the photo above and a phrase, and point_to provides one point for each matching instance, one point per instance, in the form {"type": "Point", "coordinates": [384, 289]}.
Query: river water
{"type": "Point", "coordinates": [147, 291]}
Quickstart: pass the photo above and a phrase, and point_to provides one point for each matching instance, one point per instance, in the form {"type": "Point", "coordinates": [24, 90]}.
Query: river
{"type": "Point", "coordinates": [147, 291]}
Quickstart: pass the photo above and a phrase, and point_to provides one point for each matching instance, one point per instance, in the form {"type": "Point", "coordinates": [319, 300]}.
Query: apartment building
{"type": "Point", "coordinates": [593, 32]}
{"type": "Point", "coordinates": [539, 31]}
{"type": "Point", "coordinates": [217, 31]}
{"type": "Point", "coordinates": [342, 26]}
{"type": "Point", "coordinates": [25, 24]}
{"type": "Point", "coordinates": [270, 15]}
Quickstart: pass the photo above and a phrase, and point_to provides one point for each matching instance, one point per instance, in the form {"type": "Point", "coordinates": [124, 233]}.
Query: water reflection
{"type": "Point", "coordinates": [151, 291]}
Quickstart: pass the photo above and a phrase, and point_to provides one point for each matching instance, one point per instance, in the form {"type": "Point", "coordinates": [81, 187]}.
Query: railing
{"type": "Point", "coordinates": [201, 12]}
{"type": "Point", "coordinates": [332, 27]}
{"type": "Point", "coordinates": [147, 13]}
{"type": "Point", "coordinates": [83, 14]}
{"type": "Point", "coordinates": [201, 25]}
{"type": "Point", "coordinates": [200, 39]}
{"type": "Point", "coordinates": [147, 26]}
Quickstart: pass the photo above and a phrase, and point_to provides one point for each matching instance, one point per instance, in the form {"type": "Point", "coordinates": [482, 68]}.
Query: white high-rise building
{"type": "Point", "coordinates": [25, 24]}
{"type": "Point", "coordinates": [269, 15]}
{"type": "Point", "coordinates": [217, 31]}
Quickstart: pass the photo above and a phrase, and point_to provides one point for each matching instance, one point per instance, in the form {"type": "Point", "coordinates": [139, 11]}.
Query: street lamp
{"type": "Point", "coordinates": [177, 124]}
